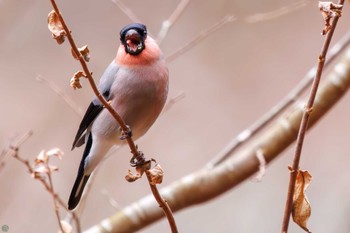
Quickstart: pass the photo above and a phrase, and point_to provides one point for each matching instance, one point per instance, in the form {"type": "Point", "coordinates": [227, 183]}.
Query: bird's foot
{"type": "Point", "coordinates": [138, 159]}
{"type": "Point", "coordinates": [125, 133]}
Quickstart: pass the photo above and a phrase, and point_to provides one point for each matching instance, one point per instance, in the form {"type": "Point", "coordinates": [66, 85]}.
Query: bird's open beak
{"type": "Point", "coordinates": [134, 44]}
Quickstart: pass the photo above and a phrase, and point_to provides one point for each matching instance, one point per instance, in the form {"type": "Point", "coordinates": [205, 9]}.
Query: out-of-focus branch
{"type": "Point", "coordinates": [200, 37]}
{"type": "Point", "coordinates": [210, 183]}
{"type": "Point", "coordinates": [285, 103]}
{"type": "Point", "coordinates": [126, 11]}
{"type": "Point", "coordinates": [71, 103]}
{"type": "Point", "coordinates": [276, 13]}
{"type": "Point", "coordinates": [167, 24]}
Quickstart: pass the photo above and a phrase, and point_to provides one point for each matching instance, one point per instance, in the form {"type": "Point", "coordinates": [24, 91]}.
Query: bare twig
{"type": "Point", "coordinates": [200, 37]}
{"type": "Point", "coordinates": [304, 124]}
{"type": "Point", "coordinates": [54, 198]}
{"type": "Point", "coordinates": [285, 103]}
{"type": "Point", "coordinates": [167, 24]}
{"type": "Point", "coordinates": [111, 200]}
{"type": "Point", "coordinates": [126, 11]}
{"type": "Point", "coordinates": [173, 101]}
{"type": "Point", "coordinates": [276, 13]}
{"type": "Point", "coordinates": [13, 151]}
{"type": "Point", "coordinates": [71, 103]}
{"type": "Point", "coordinates": [162, 202]}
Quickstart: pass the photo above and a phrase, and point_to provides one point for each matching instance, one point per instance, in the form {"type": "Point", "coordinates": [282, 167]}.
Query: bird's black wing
{"type": "Point", "coordinates": [96, 107]}
{"type": "Point", "coordinates": [90, 115]}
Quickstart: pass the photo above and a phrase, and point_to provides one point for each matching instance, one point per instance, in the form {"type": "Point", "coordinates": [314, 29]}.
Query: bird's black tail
{"type": "Point", "coordinates": [81, 179]}
{"type": "Point", "coordinates": [77, 191]}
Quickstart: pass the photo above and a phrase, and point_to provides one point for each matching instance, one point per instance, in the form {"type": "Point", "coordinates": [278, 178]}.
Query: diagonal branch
{"type": "Point", "coordinates": [200, 37]}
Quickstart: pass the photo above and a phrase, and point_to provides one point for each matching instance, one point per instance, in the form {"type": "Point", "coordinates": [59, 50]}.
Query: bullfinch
{"type": "Point", "coordinates": [136, 85]}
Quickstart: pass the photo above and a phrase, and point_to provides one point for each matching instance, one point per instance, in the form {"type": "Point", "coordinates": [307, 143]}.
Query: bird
{"type": "Point", "coordinates": [135, 84]}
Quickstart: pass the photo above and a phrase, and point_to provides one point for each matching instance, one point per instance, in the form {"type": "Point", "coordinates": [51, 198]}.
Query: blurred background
{"type": "Point", "coordinates": [229, 79]}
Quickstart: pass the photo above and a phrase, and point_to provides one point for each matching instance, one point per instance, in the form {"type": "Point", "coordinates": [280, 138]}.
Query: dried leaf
{"type": "Point", "coordinates": [43, 169]}
{"type": "Point", "coordinates": [130, 177]}
{"type": "Point", "coordinates": [75, 81]}
{"type": "Point", "coordinates": [84, 51]}
{"type": "Point", "coordinates": [56, 28]}
{"type": "Point", "coordinates": [40, 170]}
{"type": "Point", "coordinates": [301, 206]}
{"type": "Point", "coordinates": [67, 228]}
{"type": "Point", "coordinates": [156, 174]}
{"type": "Point", "coordinates": [41, 158]}
{"type": "Point", "coordinates": [329, 10]}
{"type": "Point", "coordinates": [55, 152]}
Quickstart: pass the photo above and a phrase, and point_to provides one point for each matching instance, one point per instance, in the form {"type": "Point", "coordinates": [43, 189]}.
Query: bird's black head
{"type": "Point", "coordinates": [133, 38]}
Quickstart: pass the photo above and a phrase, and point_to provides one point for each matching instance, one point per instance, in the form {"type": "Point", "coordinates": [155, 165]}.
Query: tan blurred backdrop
{"type": "Point", "coordinates": [230, 79]}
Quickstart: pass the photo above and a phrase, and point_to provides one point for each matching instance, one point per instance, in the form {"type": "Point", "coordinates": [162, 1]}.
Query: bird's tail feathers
{"type": "Point", "coordinates": [81, 179]}
{"type": "Point", "coordinates": [77, 190]}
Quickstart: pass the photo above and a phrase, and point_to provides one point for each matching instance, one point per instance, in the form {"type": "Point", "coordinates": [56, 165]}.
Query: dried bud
{"type": "Point", "coordinates": [84, 51]}
{"type": "Point", "coordinates": [156, 174]}
{"type": "Point", "coordinates": [301, 206]}
{"type": "Point", "coordinates": [56, 28]}
{"type": "Point", "coordinates": [75, 81]}
{"type": "Point", "coordinates": [43, 169]}
{"type": "Point", "coordinates": [329, 10]}
{"type": "Point", "coordinates": [130, 177]}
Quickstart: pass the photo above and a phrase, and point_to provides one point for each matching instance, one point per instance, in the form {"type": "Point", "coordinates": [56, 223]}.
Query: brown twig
{"type": "Point", "coordinates": [280, 107]}
{"type": "Point", "coordinates": [200, 37]}
{"type": "Point", "coordinates": [153, 179]}
{"type": "Point", "coordinates": [48, 188]}
{"type": "Point", "coordinates": [54, 198]}
{"type": "Point", "coordinates": [13, 151]}
{"type": "Point", "coordinates": [304, 124]}
{"type": "Point", "coordinates": [136, 154]}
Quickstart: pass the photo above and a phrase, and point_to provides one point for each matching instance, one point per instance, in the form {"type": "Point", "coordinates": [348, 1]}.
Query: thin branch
{"type": "Point", "coordinates": [126, 11]}
{"type": "Point", "coordinates": [173, 101]}
{"type": "Point", "coordinates": [285, 103]}
{"type": "Point", "coordinates": [162, 203]}
{"type": "Point", "coordinates": [13, 151]}
{"type": "Point", "coordinates": [54, 198]}
{"type": "Point", "coordinates": [304, 124]}
{"type": "Point", "coordinates": [69, 101]}
{"type": "Point", "coordinates": [210, 183]}
{"type": "Point", "coordinates": [47, 187]}
{"type": "Point", "coordinates": [276, 13]}
{"type": "Point", "coordinates": [167, 24]}
{"type": "Point", "coordinates": [111, 200]}
{"type": "Point", "coordinates": [200, 37]}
